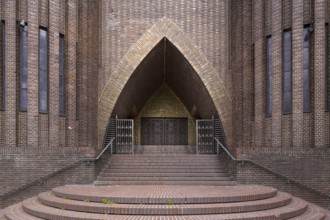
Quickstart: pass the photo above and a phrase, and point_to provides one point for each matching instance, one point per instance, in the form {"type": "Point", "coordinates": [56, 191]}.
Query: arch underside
{"type": "Point", "coordinates": [164, 55]}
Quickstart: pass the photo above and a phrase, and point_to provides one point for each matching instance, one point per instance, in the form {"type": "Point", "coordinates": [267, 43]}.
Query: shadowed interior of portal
{"type": "Point", "coordinates": [164, 96]}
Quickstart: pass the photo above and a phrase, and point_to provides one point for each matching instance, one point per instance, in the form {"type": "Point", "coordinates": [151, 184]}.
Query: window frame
{"type": "Point", "coordinates": [61, 62]}
{"type": "Point", "coordinates": [269, 73]}
{"type": "Point", "coordinates": [307, 77]}
{"type": "Point", "coordinates": [3, 66]}
{"type": "Point", "coordinates": [45, 71]}
{"type": "Point", "coordinates": [289, 111]}
{"type": "Point", "coordinates": [21, 62]}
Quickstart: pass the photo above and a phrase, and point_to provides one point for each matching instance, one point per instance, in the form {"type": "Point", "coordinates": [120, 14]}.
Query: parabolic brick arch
{"type": "Point", "coordinates": [164, 28]}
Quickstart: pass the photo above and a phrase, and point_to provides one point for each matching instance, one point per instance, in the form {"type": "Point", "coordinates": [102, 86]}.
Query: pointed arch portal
{"type": "Point", "coordinates": [164, 54]}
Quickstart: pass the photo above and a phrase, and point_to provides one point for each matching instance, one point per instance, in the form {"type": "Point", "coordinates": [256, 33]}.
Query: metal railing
{"type": "Point", "coordinates": [40, 179]}
{"type": "Point", "coordinates": [110, 144]}
{"type": "Point", "coordinates": [288, 179]}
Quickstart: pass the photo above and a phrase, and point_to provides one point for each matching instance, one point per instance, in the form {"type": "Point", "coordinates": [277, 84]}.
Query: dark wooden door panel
{"type": "Point", "coordinates": [164, 131]}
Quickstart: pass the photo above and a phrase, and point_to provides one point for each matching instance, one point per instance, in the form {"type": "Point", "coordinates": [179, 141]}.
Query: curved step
{"type": "Point", "coordinates": [184, 183]}
{"type": "Point", "coordinates": [312, 213]}
{"type": "Point", "coordinates": [15, 212]}
{"type": "Point", "coordinates": [161, 194]}
{"type": "Point", "coordinates": [34, 207]}
{"type": "Point", "coordinates": [49, 199]}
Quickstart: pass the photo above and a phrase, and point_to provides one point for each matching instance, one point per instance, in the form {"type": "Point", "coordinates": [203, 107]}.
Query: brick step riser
{"type": "Point", "coordinates": [164, 156]}
{"type": "Point", "coordinates": [186, 183]}
{"type": "Point", "coordinates": [164, 170]}
{"type": "Point", "coordinates": [143, 178]}
{"type": "Point", "coordinates": [168, 161]}
{"type": "Point", "coordinates": [118, 166]}
{"type": "Point", "coordinates": [165, 174]}
{"type": "Point", "coordinates": [163, 208]}
{"type": "Point", "coordinates": [164, 198]}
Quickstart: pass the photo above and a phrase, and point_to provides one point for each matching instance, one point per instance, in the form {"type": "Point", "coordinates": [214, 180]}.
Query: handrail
{"type": "Point", "coordinates": [110, 144]}
{"type": "Point", "coordinates": [225, 149]}
{"type": "Point", "coordinates": [268, 169]}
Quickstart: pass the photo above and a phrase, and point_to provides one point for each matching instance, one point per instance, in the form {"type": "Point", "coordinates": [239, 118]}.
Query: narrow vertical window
{"type": "Point", "coordinates": [326, 67]}
{"type": "Point", "coordinates": [61, 75]}
{"type": "Point", "coordinates": [253, 81]}
{"type": "Point", "coordinates": [2, 69]}
{"type": "Point", "coordinates": [43, 70]}
{"type": "Point", "coordinates": [269, 77]}
{"type": "Point", "coordinates": [23, 66]}
{"type": "Point", "coordinates": [306, 76]}
{"type": "Point", "coordinates": [287, 78]}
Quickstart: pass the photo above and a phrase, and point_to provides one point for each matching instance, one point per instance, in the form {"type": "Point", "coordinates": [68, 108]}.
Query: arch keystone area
{"type": "Point", "coordinates": [164, 28]}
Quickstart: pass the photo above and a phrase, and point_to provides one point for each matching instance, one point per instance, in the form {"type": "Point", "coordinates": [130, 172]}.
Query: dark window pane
{"type": "Point", "coordinates": [61, 75]}
{"type": "Point", "coordinates": [43, 70]}
{"type": "Point", "coordinates": [306, 77]}
{"type": "Point", "coordinates": [2, 69]}
{"type": "Point", "coordinates": [287, 101]}
{"type": "Point", "coordinates": [23, 66]}
{"type": "Point", "coordinates": [269, 78]}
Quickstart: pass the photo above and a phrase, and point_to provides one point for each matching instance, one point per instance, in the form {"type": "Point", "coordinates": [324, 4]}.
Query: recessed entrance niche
{"type": "Point", "coordinates": [164, 120]}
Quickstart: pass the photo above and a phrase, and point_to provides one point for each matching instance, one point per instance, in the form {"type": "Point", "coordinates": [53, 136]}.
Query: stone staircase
{"type": "Point", "coordinates": [164, 184]}
{"type": "Point", "coordinates": [164, 202]}
{"type": "Point", "coordinates": [164, 169]}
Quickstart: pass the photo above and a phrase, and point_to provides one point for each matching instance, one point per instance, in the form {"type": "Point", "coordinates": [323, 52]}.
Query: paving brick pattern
{"type": "Point", "coordinates": [164, 202]}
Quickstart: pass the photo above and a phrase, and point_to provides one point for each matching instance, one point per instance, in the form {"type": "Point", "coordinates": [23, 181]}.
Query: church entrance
{"type": "Point", "coordinates": [164, 131]}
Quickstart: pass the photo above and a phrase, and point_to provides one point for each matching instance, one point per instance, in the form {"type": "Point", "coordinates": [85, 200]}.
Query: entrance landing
{"type": "Point", "coordinates": [167, 149]}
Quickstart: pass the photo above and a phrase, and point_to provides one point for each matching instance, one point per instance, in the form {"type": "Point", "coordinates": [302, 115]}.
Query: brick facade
{"type": "Point", "coordinates": [219, 60]}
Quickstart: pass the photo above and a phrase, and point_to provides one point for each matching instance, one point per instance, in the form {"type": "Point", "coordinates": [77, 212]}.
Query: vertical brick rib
{"type": "Point", "coordinates": [319, 74]}
{"type": "Point", "coordinates": [33, 85]}
{"type": "Point", "coordinates": [1, 112]}
{"type": "Point", "coordinates": [10, 74]}
{"type": "Point", "coordinates": [259, 72]}
{"type": "Point", "coordinates": [82, 72]}
{"type": "Point", "coordinates": [277, 73]}
{"type": "Point", "coordinates": [54, 15]}
{"type": "Point", "coordinates": [247, 73]}
{"type": "Point", "coordinates": [93, 61]}
{"type": "Point", "coordinates": [297, 74]}
{"type": "Point", "coordinates": [71, 72]}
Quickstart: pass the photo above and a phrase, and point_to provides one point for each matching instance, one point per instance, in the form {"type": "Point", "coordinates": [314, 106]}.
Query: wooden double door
{"type": "Point", "coordinates": [164, 131]}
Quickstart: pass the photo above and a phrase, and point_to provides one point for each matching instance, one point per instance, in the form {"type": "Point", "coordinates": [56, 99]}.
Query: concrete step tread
{"type": "Point", "coordinates": [188, 182]}
{"type": "Point", "coordinates": [34, 207]}
{"type": "Point", "coordinates": [16, 212]}
{"type": "Point", "coordinates": [166, 178]}
{"type": "Point", "coordinates": [312, 213]}
{"type": "Point", "coordinates": [112, 174]}
{"type": "Point", "coordinates": [159, 194]}
{"type": "Point", "coordinates": [281, 199]}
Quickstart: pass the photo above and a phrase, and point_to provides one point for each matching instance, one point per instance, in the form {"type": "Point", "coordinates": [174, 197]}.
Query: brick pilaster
{"type": "Point", "coordinates": [297, 74]}
{"type": "Point", "coordinates": [53, 24]}
{"type": "Point", "coordinates": [33, 72]}
{"type": "Point", "coordinates": [71, 72]}
{"type": "Point", "coordinates": [277, 75]}
{"type": "Point", "coordinates": [10, 74]}
{"type": "Point", "coordinates": [82, 72]}
{"type": "Point", "coordinates": [319, 74]}
{"type": "Point", "coordinates": [247, 74]}
{"type": "Point", "coordinates": [259, 72]}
